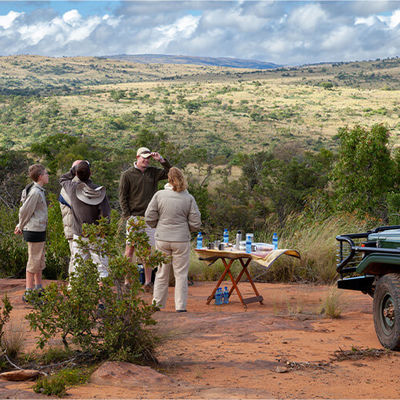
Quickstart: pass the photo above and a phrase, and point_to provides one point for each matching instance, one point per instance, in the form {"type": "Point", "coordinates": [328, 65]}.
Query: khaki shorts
{"type": "Point", "coordinates": [36, 260]}
{"type": "Point", "coordinates": [148, 229]}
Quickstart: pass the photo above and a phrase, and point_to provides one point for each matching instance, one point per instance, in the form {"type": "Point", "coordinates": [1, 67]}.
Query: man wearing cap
{"type": "Point", "coordinates": [136, 188]}
{"type": "Point", "coordinates": [88, 204]}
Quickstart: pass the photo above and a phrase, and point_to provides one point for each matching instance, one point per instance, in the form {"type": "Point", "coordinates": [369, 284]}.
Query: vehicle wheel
{"type": "Point", "coordinates": [386, 310]}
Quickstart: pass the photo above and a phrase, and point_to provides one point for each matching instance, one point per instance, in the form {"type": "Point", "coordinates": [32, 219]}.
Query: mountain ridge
{"type": "Point", "coordinates": [194, 60]}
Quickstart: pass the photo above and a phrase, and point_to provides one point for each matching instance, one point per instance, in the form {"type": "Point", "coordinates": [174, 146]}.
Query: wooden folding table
{"type": "Point", "coordinates": [229, 255]}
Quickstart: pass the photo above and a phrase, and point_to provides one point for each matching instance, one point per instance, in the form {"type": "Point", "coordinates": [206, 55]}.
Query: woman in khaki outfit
{"type": "Point", "coordinates": [174, 214]}
{"type": "Point", "coordinates": [32, 224]}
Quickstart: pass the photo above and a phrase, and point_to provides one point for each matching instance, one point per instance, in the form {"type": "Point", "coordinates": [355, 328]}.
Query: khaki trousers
{"type": "Point", "coordinates": [180, 255]}
{"type": "Point", "coordinates": [36, 260]}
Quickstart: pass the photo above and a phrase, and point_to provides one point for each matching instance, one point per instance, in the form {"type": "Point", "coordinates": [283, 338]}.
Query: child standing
{"type": "Point", "coordinates": [32, 224]}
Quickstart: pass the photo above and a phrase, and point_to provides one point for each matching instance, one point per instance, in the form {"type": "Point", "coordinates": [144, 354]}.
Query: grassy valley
{"type": "Point", "coordinates": [228, 110]}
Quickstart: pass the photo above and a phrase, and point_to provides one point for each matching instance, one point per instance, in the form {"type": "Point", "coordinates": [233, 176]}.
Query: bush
{"type": "Point", "coordinates": [56, 384]}
{"type": "Point", "coordinates": [13, 250]}
{"type": "Point", "coordinates": [4, 318]}
{"type": "Point", "coordinates": [119, 329]}
{"type": "Point", "coordinates": [57, 249]}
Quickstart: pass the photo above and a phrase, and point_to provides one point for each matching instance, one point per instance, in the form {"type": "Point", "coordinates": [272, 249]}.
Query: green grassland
{"type": "Point", "coordinates": [226, 110]}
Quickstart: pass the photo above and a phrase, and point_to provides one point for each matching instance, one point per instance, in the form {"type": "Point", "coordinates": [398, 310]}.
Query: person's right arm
{"type": "Point", "coordinates": [124, 189]}
{"type": "Point", "coordinates": [66, 179]}
{"type": "Point", "coordinates": [27, 209]}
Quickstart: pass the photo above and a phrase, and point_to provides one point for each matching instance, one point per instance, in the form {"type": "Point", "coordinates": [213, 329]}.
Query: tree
{"type": "Point", "coordinates": [364, 172]}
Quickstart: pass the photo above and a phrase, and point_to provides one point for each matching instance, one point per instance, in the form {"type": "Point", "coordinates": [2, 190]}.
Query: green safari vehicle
{"type": "Point", "coordinates": [370, 262]}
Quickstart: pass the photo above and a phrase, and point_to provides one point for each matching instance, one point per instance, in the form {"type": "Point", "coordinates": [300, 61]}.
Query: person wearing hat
{"type": "Point", "coordinates": [88, 203]}
{"type": "Point", "coordinates": [136, 188]}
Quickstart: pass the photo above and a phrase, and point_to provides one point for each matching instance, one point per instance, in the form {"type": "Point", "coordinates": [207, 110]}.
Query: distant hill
{"type": "Point", "coordinates": [209, 61]}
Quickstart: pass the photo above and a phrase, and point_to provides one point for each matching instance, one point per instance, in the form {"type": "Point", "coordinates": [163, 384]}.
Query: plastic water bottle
{"type": "Point", "coordinates": [199, 241]}
{"type": "Point", "coordinates": [275, 241]}
{"type": "Point", "coordinates": [248, 244]}
{"type": "Point", "coordinates": [226, 295]}
{"type": "Point", "coordinates": [226, 236]}
{"type": "Point", "coordinates": [141, 273]}
{"type": "Point", "coordinates": [218, 297]}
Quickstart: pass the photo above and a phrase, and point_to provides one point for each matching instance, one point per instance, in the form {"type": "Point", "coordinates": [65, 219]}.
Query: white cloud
{"type": "Point", "coordinates": [6, 21]}
{"type": "Point", "coordinates": [72, 18]}
{"type": "Point", "coordinates": [369, 21]}
{"type": "Point", "coordinates": [308, 18]}
{"type": "Point", "coordinates": [392, 21]}
{"type": "Point", "coordinates": [279, 31]}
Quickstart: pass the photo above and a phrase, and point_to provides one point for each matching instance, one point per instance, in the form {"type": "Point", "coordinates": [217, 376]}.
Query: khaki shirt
{"type": "Point", "coordinates": [173, 214]}
{"type": "Point", "coordinates": [33, 212]}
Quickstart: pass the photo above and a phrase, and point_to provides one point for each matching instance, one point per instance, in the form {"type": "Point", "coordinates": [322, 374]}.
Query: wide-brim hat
{"type": "Point", "coordinates": [143, 152]}
{"type": "Point", "coordinates": [90, 196]}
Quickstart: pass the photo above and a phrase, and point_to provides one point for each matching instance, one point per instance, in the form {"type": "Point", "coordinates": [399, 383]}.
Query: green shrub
{"type": "Point", "coordinates": [57, 249]}
{"type": "Point", "coordinates": [119, 330]}
{"type": "Point", "coordinates": [4, 318]}
{"type": "Point", "coordinates": [57, 384]}
{"type": "Point", "coordinates": [13, 249]}
{"type": "Point", "coordinates": [51, 386]}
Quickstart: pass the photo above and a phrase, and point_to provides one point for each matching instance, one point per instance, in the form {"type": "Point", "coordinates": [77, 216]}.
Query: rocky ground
{"type": "Point", "coordinates": [282, 349]}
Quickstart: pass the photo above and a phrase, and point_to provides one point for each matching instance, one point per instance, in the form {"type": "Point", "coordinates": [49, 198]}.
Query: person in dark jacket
{"type": "Point", "coordinates": [137, 187]}
{"type": "Point", "coordinates": [88, 203]}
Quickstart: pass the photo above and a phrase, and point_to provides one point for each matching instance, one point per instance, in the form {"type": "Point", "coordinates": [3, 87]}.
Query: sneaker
{"type": "Point", "coordinates": [148, 288]}
{"type": "Point", "coordinates": [25, 295]}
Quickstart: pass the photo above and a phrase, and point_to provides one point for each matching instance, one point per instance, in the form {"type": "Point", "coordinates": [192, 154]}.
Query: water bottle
{"type": "Point", "coordinates": [226, 236]}
{"type": "Point", "coordinates": [248, 244]}
{"type": "Point", "coordinates": [218, 297]}
{"type": "Point", "coordinates": [226, 295]}
{"type": "Point", "coordinates": [199, 241]}
{"type": "Point", "coordinates": [141, 273]}
{"type": "Point", "coordinates": [275, 241]}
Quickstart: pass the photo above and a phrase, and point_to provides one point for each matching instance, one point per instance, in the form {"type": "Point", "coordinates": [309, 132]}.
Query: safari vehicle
{"type": "Point", "coordinates": [370, 262]}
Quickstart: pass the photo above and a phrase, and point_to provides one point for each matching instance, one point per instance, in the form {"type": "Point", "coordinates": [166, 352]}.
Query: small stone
{"type": "Point", "coordinates": [281, 370]}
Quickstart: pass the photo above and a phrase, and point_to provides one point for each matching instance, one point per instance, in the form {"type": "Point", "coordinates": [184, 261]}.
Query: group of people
{"type": "Point", "coordinates": [170, 215]}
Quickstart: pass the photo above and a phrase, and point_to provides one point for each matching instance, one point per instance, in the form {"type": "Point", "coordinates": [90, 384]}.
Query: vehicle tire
{"type": "Point", "coordinates": [386, 310]}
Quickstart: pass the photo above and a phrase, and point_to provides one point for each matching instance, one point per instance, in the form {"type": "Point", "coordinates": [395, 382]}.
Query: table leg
{"type": "Point", "coordinates": [227, 268]}
{"type": "Point", "coordinates": [240, 273]}
{"type": "Point", "coordinates": [237, 289]}
{"type": "Point", "coordinates": [249, 278]}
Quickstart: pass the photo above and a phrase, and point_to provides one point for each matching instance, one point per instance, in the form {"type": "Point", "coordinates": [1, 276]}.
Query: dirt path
{"type": "Point", "coordinates": [282, 349]}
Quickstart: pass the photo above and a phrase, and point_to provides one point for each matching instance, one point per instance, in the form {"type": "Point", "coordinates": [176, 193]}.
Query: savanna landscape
{"type": "Point", "coordinates": [309, 152]}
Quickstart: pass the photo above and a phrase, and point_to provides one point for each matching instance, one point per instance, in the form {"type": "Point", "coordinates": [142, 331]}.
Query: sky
{"type": "Point", "coordinates": [282, 32]}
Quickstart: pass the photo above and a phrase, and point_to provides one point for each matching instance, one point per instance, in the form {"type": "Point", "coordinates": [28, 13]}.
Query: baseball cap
{"type": "Point", "coordinates": [144, 152]}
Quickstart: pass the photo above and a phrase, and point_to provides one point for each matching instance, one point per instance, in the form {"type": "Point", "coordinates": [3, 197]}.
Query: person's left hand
{"type": "Point", "coordinates": [156, 156]}
{"type": "Point", "coordinates": [17, 230]}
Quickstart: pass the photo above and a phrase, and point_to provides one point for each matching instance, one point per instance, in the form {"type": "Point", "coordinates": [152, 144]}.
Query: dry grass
{"type": "Point", "coordinates": [331, 306]}
{"type": "Point", "coordinates": [14, 338]}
